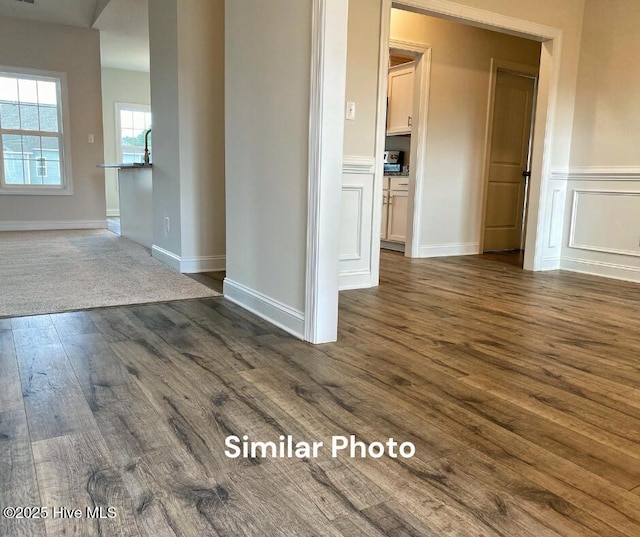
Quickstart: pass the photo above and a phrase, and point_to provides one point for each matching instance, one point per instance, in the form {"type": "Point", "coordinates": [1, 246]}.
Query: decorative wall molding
{"type": "Point", "coordinates": [359, 190]}
{"type": "Point", "coordinates": [277, 313]}
{"type": "Point", "coordinates": [355, 164]}
{"type": "Point", "coordinates": [42, 225]}
{"type": "Point", "coordinates": [600, 268]}
{"type": "Point", "coordinates": [597, 173]}
{"type": "Point", "coordinates": [577, 194]}
{"type": "Point", "coordinates": [447, 250]}
{"type": "Point", "coordinates": [113, 212]}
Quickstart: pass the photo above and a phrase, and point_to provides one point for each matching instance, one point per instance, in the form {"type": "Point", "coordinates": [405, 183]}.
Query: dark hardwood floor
{"type": "Point", "coordinates": [520, 392]}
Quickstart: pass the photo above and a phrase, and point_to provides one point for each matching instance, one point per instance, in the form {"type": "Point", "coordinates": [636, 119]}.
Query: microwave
{"type": "Point", "coordinates": [392, 157]}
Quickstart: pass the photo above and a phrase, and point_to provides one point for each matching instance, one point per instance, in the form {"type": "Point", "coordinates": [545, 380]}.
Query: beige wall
{"type": "Point", "coordinates": [187, 102]}
{"type": "Point", "coordinates": [201, 72]}
{"type": "Point", "coordinates": [459, 89]}
{"type": "Point", "coordinates": [362, 76]}
{"type": "Point", "coordinates": [267, 131]}
{"type": "Point", "coordinates": [118, 86]}
{"type": "Point", "coordinates": [75, 51]}
{"type": "Point", "coordinates": [607, 119]}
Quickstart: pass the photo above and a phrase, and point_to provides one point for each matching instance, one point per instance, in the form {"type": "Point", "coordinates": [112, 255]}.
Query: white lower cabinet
{"type": "Point", "coordinates": [395, 199]}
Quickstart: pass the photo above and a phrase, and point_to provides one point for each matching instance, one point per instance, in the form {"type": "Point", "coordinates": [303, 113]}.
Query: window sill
{"type": "Point", "coordinates": [36, 191]}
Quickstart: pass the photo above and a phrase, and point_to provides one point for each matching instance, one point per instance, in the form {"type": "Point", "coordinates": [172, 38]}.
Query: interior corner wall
{"type": "Point", "coordinates": [76, 52]}
{"type": "Point", "coordinates": [163, 55]}
{"type": "Point", "coordinates": [602, 213]}
{"type": "Point", "coordinates": [202, 167]}
{"type": "Point", "coordinates": [118, 86]}
{"type": "Point", "coordinates": [267, 74]}
{"type": "Point", "coordinates": [458, 97]}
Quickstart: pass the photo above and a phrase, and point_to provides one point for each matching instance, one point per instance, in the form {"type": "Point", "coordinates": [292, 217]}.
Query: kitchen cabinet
{"type": "Point", "coordinates": [400, 99]}
{"type": "Point", "coordinates": [395, 197]}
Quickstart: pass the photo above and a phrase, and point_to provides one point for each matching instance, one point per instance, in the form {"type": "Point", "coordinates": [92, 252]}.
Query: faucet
{"type": "Point", "coordinates": [146, 147]}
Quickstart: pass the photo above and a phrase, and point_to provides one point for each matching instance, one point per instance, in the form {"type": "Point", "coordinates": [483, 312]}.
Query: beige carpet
{"type": "Point", "coordinates": [54, 271]}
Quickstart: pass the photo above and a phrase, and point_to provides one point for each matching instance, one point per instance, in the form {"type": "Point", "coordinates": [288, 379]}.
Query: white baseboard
{"type": "Point", "coordinates": [212, 263]}
{"type": "Point", "coordinates": [167, 257]}
{"type": "Point", "coordinates": [447, 250]}
{"type": "Point", "coordinates": [189, 265]}
{"type": "Point", "coordinates": [42, 225]}
{"type": "Point", "coordinates": [113, 212]}
{"type": "Point", "coordinates": [550, 263]}
{"type": "Point", "coordinates": [277, 313]}
{"type": "Point", "coordinates": [360, 279]}
{"type": "Point", "coordinates": [599, 268]}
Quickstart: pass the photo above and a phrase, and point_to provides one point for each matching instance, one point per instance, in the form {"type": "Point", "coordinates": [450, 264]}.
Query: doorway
{"type": "Point", "coordinates": [510, 130]}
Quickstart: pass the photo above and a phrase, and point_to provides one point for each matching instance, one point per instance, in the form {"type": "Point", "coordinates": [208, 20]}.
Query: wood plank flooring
{"type": "Point", "coordinates": [520, 391]}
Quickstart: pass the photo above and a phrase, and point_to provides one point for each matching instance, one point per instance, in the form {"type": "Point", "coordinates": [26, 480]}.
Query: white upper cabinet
{"type": "Point", "coordinates": [400, 99]}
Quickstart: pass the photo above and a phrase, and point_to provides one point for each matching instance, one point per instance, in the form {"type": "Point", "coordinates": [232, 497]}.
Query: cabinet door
{"type": "Point", "coordinates": [400, 99]}
{"type": "Point", "coordinates": [397, 223]}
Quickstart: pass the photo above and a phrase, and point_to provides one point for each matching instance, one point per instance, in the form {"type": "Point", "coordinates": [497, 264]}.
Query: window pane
{"type": "Point", "coordinates": [29, 117]}
{"type": "Point", "coordinates": [126, 119]}
{"type": "Point", "coordinates": [30, 147]}
{"type": "Point", "coordinates": [13, 172]}
{"type": "Point", "coordinates": [47, 93]}
{"type": "Point", "coordinates": [12, 146]}
{"type": "Point", "coordinates": [9, 115]}
{"type": "Point", "coordinates": [8, 89]}
{"type": "Point", "coordinates": [48, 118]}
{"type": "Point", "coordinates": [53, 173]}
{"type": "Point", "coordinates": [27, 91]}
{"type": "Point", "coordinates": [138, 121]}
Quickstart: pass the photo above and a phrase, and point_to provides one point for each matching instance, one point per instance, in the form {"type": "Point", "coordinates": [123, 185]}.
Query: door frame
{"type": "Point", "coordinates": [421, 92]}
{"type": "Point", "coordinates": [328, 72]}
{"type": "Point", "coordinates": [548, 82]}
{"type": "Point", "coordinates": [520, 69]}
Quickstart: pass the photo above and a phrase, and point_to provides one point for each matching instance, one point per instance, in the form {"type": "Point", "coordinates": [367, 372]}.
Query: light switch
{"type": "Point", "coordinates": [91, 138]}
{"type": "Point", "coordinates": [351, 111]}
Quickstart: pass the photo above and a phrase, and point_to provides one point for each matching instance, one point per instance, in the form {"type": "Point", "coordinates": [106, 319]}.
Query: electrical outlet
{"type": "Point", "coordinates": [167, 225]}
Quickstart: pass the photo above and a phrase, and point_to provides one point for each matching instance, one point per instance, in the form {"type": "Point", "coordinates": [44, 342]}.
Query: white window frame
{"type": "Point", "coordinates": [119, 106]}
{"type": "Point", "coordinates": [66, 188]}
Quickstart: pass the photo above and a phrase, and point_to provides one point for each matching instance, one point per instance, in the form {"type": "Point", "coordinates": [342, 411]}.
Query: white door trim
{"type": "Point", "coordinates": [522, 69]}
{"type": "Point", "coordinates": [418, 140]}
{"type": "Point", "coordinates": [548, 82]}
{"type": "Point", "coordinates": [326, 135]}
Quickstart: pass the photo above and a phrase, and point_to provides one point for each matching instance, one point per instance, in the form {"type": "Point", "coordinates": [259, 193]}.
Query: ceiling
{"type": "Point", "coordinates": [123, 25]}
{"type": "Point", "coordinates": [124, 35]}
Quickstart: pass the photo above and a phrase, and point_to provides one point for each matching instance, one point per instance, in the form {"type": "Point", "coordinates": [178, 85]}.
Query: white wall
{"type": "Point", "coordinates": [187, 103]}
{"type": "Point", "coordinates": [75, 51]}
{"type": "Point", "coordinates": [267, 132]}
{"type": "Point", "coordinates": [602, 227]}
{"type": "Point", "coordinates": [460, 80]}
{"type": "Point", "coordinates": [118, 86]}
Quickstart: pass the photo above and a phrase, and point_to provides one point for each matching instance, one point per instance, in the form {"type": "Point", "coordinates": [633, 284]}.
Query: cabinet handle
{"type": "Point", "coordinates": [410, 122]}
{"type": "Point", "coordinates": [403, 184]}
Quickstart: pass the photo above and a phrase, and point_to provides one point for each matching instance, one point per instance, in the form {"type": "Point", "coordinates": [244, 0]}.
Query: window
{"type": "Point", "coordinates": [32, 132]}
{"type": "Point", "coordinates": [132, 123]}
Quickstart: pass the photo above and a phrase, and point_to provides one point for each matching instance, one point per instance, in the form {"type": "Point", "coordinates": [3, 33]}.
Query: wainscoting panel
{"type": "Point", "coordinates": [606, 221]}
{"type": "Point", "coordinates": [356, 222]}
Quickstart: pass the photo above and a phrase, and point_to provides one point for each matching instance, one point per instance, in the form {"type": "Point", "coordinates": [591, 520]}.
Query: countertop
{"type": "Point", "coordinates": [127, 166]}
